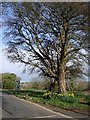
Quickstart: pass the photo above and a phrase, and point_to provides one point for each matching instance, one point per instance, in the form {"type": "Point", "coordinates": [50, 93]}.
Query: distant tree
{"type": "Point", "coordinates": [51, 37]}
{"type": "Point", "coordinates": [9, 80]}
{"type": "Point", "coordinates": [0, 81]}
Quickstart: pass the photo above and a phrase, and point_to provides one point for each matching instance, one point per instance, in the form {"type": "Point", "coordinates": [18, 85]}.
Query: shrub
{"type": "Point", "coordinates": [36, 93]}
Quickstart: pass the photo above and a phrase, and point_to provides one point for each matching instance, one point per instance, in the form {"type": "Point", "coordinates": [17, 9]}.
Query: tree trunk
{"type": "Point", "coordinates": [52, 86]}
{"type": "Point", "coordinates": [59, 90]}
{"type": "Point", "coordinates": [61, 80]}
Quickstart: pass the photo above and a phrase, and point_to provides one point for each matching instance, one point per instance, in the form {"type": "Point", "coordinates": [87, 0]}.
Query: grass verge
{"type": "Point", "coordinates": [70, 102]}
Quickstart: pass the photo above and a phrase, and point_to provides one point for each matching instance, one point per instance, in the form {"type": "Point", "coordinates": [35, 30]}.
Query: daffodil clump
{"type": "Point", "coordinates": [47, 95]}
{"type": "Point", "coordinates": [69, 98]}
{"type": "Point", "coordinates": [71, 94]}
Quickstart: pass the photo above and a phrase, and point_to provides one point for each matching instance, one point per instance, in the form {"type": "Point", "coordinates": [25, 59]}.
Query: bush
{"type": "Point", "coordinates": [34, 93]}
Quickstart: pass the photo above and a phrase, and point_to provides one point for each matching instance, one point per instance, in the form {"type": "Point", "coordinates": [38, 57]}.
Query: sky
{"type": "Point", "coordinates": [7, 66]}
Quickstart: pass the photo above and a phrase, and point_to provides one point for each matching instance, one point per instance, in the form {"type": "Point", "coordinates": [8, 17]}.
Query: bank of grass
{"type": "Point", "coordinates": [75, 100]}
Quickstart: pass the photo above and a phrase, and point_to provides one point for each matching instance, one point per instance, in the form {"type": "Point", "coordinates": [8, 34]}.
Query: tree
{"type": "Point", "coordinates": [9, 80]}
{"type": "Point", "coordinates": [50, 37]}
{"type": "Point", "coordinates": [0, 81]}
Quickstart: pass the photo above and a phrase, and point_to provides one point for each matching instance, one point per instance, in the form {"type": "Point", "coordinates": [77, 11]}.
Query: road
{"type": "Point", "coordinates": [13, 107]}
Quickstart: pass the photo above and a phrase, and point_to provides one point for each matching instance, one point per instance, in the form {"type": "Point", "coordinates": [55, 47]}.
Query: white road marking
{"type": "Point", "coordinates": [57, 113]}
{"type": "Point", "coordinates": [46, 116]}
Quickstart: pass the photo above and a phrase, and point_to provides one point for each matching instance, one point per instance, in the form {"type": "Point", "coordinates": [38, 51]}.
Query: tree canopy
{"type": "Point", "coordinates": [50, 37]}
{"type": "Point", "coordinates": [9, 80]}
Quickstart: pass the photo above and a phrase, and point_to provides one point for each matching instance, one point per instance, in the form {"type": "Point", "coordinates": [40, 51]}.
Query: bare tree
{"type": "Point", "coordinates": [51, 37]}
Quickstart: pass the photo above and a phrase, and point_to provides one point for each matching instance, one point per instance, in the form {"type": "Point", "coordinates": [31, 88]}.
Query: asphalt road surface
{"type": "Point", "coordinates": [13, 107]}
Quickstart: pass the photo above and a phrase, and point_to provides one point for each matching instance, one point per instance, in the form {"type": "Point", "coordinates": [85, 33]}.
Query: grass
{"type": "Point", "coordinates": [60, 101]}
